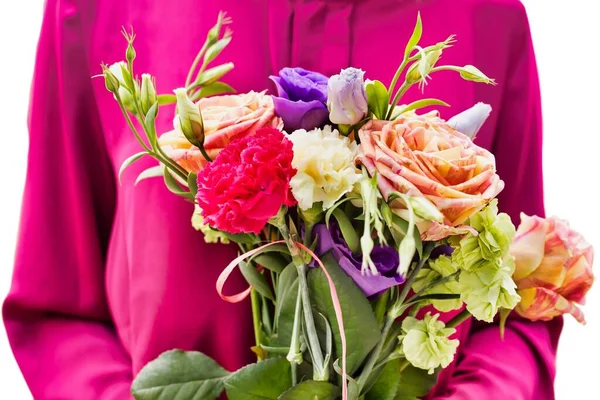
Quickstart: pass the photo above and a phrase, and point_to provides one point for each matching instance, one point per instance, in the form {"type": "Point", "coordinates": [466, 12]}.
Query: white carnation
{"type": "Point", "coordinates": [325, 163]}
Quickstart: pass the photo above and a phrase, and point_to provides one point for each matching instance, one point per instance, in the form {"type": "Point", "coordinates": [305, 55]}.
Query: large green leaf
{"type": "Point", "coordinates": [179, 375]}
{"type": "Point", "coordinates": [287, 291]}
{"type": "Point", "coordinates": [360, 324]}
{"type": "Point", "coordinates": [414, 384]}
{"type": "Point", "coordinates": [265, 380]}
{"type": "Point", "coordinates": [311, 390]}
{"type": "Point", "coordinates": [386, 385]}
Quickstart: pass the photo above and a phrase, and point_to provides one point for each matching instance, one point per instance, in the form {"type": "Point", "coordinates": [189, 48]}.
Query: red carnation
{"type": "Point", "coordinates": [247, 183]}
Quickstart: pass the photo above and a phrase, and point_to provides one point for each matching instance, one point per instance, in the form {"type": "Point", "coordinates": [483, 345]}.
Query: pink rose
{"type": "Point", "coordinates": [553, 268]}
{"type": "Point", "coordinates": [225, 118]}
{"type": "Point", "coordinates": [421, 155]}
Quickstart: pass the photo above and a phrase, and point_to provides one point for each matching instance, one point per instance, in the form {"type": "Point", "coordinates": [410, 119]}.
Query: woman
{"type": "Point", "coordinates": [109, 276]}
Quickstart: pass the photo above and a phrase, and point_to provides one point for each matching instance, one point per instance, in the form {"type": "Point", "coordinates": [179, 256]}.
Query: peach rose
{"type": "Point", "coordinates": [553, 268]}
{"type": "Point", "coordinates": [225, 118]}
{"type": "Point", "coordinates": [421, 155]}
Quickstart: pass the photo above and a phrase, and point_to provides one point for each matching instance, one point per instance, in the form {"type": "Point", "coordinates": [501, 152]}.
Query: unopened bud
{"type": "Point", "coordinates": [471, 73]}
{"type": "Point", "coordinates": [420, 70]}
{"type": "Point", "coordinates": [406, 252]}
{"type": "Point", "coordinates": [148, 92]}
{"type": "Point", "coordinates": [110, 80]}
{"type": "Point", "coordinates": [424, 208]}
{"type": "Point", "coordinates": [189, 118]}
{"type": "Point", "coordinates": [120, 73]}
{"type": "Point", "coordinates": [130, 52]}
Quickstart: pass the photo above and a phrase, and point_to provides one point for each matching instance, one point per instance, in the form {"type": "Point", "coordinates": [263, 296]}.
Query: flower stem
{"type": "Point", "coordinates": [256, 318]}
{"type": "Point", "coordinates": [374, 356]}
{"type": "Point", "coordinates": [458, 319]}
{"type": "Point", "coordinates": [320, 373]}
{"type": "Point", "coordinates": [195, 65]}
{"type": "Point", "coordinates": [397, 76]}
{"type": "Point", "coordinates": [403, 89]}
{"type": "Point", "coordinates": [294, 356]}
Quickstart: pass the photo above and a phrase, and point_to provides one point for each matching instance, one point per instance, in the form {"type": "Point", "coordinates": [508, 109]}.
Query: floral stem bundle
{"type": "Point", "coordinates": [360, 223]}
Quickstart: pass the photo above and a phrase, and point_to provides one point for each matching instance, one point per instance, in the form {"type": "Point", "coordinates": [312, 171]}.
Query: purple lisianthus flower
{"type": "Point", "coordinates": [347, 97]}
{"type": "Point", "coordinates": [301, 98]}
{"type": "Point", "coordinates": [386, 260]}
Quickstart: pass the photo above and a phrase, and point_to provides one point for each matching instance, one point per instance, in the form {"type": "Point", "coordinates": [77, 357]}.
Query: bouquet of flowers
{"type": "Point", "coordinates": [358, 220]}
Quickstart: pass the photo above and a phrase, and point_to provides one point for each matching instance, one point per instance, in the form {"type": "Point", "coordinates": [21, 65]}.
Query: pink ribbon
{"type": "Point", "coordinates": [236, 298]}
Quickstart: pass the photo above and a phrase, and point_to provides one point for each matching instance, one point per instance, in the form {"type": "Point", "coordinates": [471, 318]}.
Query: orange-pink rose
{"type": "Point", "coordinates": [553, 268]}
{"type": "Point", "coordinates": [225, 118]}
{"type": "Point", "coordinates": [422, 156]}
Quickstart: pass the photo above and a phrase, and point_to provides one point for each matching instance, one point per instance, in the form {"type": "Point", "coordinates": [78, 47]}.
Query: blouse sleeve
{"type": "Point", "coordinates": [56, 313]}
{"type": "Point", "coordinates": [522, 367]}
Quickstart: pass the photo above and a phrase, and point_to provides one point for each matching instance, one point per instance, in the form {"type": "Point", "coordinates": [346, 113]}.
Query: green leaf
{"type": "Point", "coordinates": [164, 99]}
{"type": "Point", "coordinates": [174, 186]}
{"type": "Point", "coordinates": [415, 383]}
{"type": "Point", "coordinates": [265, 380]}
{"type": "Point", "coordinates": [256, 280]}
{"type": "Point", "coordinates": [214, 89]}
{"type": "Point", "coordinates": [192, 182]}
{"type": "Point", "coordinates": [272, 261]}
{"type": "Point", "coordinates": [416, 36]}
{"type": "Point", "coordinates": [275, 248]}
{"type": "Point", "coordinates": [311, 390]}
{"type": "Point", "coordinates": [386, 385]}
{"type": "Point", "coordinates": [377, 98]}
{"type": "Point", "coordinates": [179, 375]}
{"type": "Point", "coordinates": [213, 74]}
{"type": "Point", "coordinates": [287, 291]}
{"type": "Point", "coordinates": [242, 238]}
{"type": "Point", "coordinates": [348, 231]}
{"type": "Point", "coordinates": [362, 331]}
{"type": "Point", "coordinates": [130, 160]}
{"type": "Point", "coordinates": [333, 207]}
{"type": "Point", "coordinates": [216, 49]}
{"type": "Point", "coordinates": [423, 103]}
{"type": "Point", "coordinates": [151, 172]}
{"type": "Point", "coordinates": [150, 122]}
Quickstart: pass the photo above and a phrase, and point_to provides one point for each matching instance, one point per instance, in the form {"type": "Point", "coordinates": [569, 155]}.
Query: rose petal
{"type": "Point", "coordinates": [528, 246]}
{"type": "Point", "coordinates": [540, 304]}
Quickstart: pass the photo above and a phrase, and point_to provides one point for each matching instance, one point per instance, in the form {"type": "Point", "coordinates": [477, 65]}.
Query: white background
{"type": "Point", "coordinates": [568, 59]}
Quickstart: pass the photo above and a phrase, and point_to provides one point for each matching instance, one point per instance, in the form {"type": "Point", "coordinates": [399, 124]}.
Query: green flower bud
{"type": "Point", "coordinates": [420, 70]}
{"type": "Point", "coordinates": [471, 73]}
{"type": "Point", "coordinates": [148, 93]}
{"type": "Point", "coordinates": [121, 73]}
{"type": "Point", "coordinates": [407, 250]}
{"type": "Point", "coordinates": [424, 208]}
{"type": "Point", "coordinates": [190, 120]}
{"type": "Point", "coordinates": [110, 80]}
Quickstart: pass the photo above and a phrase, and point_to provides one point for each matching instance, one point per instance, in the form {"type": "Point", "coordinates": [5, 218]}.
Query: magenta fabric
{"type": "Point", "coordinates": [108, 276]}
